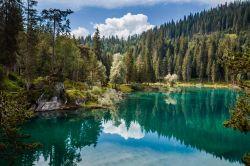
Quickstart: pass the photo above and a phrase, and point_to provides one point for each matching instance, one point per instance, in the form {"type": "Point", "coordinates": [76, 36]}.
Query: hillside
{"type": "Point", "coordinates": [191, 47]}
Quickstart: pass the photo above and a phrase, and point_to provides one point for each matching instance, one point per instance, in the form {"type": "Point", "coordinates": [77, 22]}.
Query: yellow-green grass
{"type": "Point", "coordinates": [125, 88]}
{"type": "Point", "coordinates": [92, 105]}
{"type": "Point", "coordinates": [206, 85]}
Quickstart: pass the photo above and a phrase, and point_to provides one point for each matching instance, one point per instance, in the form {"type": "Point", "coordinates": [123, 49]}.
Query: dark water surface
{"type": "Point", "coordinates": [184, 128]}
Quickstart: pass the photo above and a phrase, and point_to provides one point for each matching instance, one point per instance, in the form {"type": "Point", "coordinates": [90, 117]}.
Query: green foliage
{"type": "Point", "coordinates": [91, 104]}
{"type": "Point", "coordinates": [39, 80]}
{"type": "Point", "coordinates": [93, 71]}
{"type": "Point", "coordinates": [97, 45]}
{"type": "Point", "coordinates": [13, 114]}
{"type": "Point", "coordinates": [240, 115]}
{"type": "Point", "coordinates": [68, 60]}
{"type": "Point", "coordinates": [137, 87]}
{"type": "Point", "coordinates": [97, 90]}
{"type": "Point", "coordinates": [74, 94]}
{"type": "Point", "coordinates": [1, 77]}
{"type": "Point", "coordinates": [56, 21]}
{"type": "Point", "coordinates": [240, 65]}
{"type": "Point", "coordinates": [125, 88]}
{"type": "Point", "coordinates": [129, 62]}
{"type": "Point", "coordinates": [190, 47]}
{"type": "Point", "coordinates": [246, 159]}
{"type": "Point", "coordinates": [11, 25]}
{"type": "Point", "coordinates": [16, 78]}
{"type": "Point", "coordinates": [44, 54]}
{"type": "Point", "coordinates": [10, 85]}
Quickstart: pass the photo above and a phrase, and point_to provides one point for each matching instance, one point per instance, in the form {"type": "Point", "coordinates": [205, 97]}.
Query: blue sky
{"type": "Point", "coordinates": [125, 17]}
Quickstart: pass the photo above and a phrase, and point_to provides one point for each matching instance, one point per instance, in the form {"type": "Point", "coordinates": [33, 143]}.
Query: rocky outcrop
{"type": "Point", "coordinates": [47, 103]}
{"type": "Point", "coordinates": [48, 106]}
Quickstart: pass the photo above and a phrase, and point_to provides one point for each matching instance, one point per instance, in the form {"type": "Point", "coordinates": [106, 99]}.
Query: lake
{"type": "Point", "coordinates": [181, 128]}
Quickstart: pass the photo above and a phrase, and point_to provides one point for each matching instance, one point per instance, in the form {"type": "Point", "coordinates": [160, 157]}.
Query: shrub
{"type": "Point", "coordinates": [15, 78]}
{"type": "Point", "coordinates": [74, 94]}
{"type": "Point", "coordinates": [137, 87]}
{"type": "Point", "coordinates": [109, 98]}
{"type": "Point", "coordinates": [97, 90]}
{"type": "Point", "coordinates": [38, 80]}
{"type": "Point", "coordinates": [91, 97]}
{"type": "Point", "coordinates": [1, 76]}
{"type": "Point", "coordinates": [10, 85]}
{"type": "Point", "coordinates": [171, 79]}
{"type": "Point", "coordinates": [125, 88]}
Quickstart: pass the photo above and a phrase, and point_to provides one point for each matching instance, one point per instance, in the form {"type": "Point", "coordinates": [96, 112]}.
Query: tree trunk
{"type": "Point", "coordinates": [53, 47]}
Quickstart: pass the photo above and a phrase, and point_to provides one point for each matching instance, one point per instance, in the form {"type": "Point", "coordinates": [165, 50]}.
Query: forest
{"type": "Point", "coordinates": [40, 44]}
{"type": "Point", "coordinates": [38, 52]}
{"type": "Point", "coordinates": [192, 47]}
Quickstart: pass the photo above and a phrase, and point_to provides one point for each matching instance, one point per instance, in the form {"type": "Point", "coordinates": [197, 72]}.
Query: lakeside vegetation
{"type": "Point", "coordinates": [208, 85]}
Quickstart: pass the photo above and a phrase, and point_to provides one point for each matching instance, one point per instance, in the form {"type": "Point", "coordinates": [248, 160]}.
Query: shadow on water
{"type": "Point", "coordinates": [194, 117]}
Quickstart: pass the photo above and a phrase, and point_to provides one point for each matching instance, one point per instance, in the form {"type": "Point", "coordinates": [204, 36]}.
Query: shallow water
{"type": "Point", "coordinates": [184, 128]}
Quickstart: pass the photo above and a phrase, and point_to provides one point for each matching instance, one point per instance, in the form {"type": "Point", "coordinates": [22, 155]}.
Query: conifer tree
{"type": "Point", "coordinates": [11, 25]}
{"type": "Point", "coordinates": [129, 62]}
{"type": "Point", "coordinates": [97, 45]}
{"type": "Point", "coordinates": [30, 50]}
{"type": "Point", "coordinates": [56, 21]}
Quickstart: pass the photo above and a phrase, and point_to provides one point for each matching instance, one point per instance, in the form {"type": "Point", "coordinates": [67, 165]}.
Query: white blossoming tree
{"type": "Point", "coordinates": [171, 79]}
{"type": "Point", "coordinates": [118, 70]}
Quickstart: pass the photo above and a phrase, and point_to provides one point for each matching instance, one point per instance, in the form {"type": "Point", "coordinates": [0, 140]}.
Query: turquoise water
{"type": "Point", "coordinates": [184, 128]}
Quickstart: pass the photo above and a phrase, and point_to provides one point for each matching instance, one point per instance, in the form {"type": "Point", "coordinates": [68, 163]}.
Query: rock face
{"type": "Point", "coordinates": [54, 103]}
{"type": "Point", "coordinates": [48, 106]}
{"type": "Point", "coordinates": [59, 90]}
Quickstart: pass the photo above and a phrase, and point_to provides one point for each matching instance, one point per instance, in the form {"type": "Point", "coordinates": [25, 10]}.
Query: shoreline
{"type": "Point", "coordinates": [208, 85]}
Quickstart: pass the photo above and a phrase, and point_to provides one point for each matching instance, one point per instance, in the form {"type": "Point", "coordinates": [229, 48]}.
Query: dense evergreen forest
{"type": "Point", "coordinates": [35, 45]}
{"type": "Point", "coordinates": [192, 47]}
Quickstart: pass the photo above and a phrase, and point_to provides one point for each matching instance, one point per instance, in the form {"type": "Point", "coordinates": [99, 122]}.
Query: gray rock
{"type": "Point", "coordinates": [48, 106]}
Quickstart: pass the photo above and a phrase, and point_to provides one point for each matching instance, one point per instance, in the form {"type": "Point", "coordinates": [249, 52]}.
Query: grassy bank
{"type": "Point", "coordinates": [207, 85]}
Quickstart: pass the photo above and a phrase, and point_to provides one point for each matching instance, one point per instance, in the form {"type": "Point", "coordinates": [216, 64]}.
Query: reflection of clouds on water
{"type": "Point", "coordinates": [113, 154]}
{"type": "Point", "coordinates": [170, 101]}
{"type": "Point", "coordinates": [134, 131]}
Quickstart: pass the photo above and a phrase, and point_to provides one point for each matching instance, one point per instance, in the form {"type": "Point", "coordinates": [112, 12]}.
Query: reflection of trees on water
{"type": "Point", "coordinates": [197, 120]}
{"type": "Point", "coordinates": [63, 137]}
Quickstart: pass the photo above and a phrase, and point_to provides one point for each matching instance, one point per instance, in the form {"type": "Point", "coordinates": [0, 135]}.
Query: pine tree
{"type": "Point", "coordinates": [213, 72]}
{"type": "Point", "coordinates": [57, 23]}
{"type": "Point", "coordinates": [31, 42]}
{"type": "Point", "coordinates": [11, 25]}
{"type": "Point", "coordinates": [129, 62]}
{"type": "Point", "coordinates": [97, 45]}
{"type": "Point", "coordinates": [186, 67]}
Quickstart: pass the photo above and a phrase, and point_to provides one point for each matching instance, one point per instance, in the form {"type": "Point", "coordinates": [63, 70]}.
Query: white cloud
{"type": "Point", "coordinates": [80, 31]}
{"type": "Point", "coordinates": [125, 26]}
{"type": "Point", "coordinates": [134, 131]}
{"type": "Point", "coordinates": [76, 4]}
